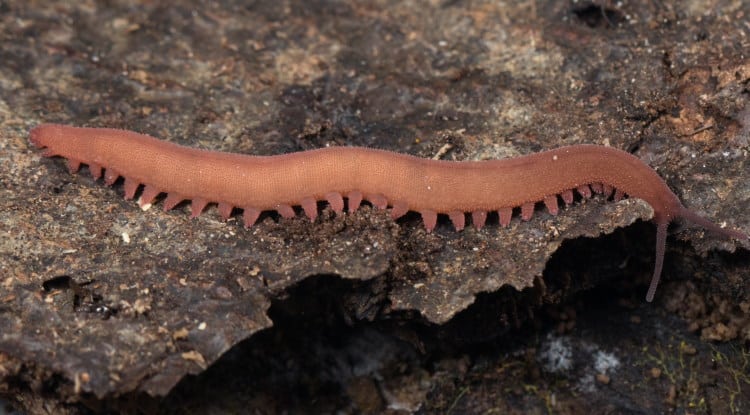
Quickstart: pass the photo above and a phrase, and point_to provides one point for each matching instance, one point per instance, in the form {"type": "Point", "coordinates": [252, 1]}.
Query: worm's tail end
{"type": "Point", "coordinates": [44, 135]}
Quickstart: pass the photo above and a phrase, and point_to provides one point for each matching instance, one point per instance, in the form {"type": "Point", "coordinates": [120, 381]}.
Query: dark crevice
{"type": "Point", "coordinates": [596, 16]}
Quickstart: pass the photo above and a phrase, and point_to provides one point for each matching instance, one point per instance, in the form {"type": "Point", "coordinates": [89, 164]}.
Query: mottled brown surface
{"type": "Point", "coordinates": [354, 299]}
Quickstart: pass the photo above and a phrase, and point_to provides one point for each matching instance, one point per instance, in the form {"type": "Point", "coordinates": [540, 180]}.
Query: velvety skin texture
{"type": "Point", "coordinates": [384, 178]}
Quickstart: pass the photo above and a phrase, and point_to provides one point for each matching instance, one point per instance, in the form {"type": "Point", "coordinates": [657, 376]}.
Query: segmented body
{"type": "Point", "coordinates": [384, 178]}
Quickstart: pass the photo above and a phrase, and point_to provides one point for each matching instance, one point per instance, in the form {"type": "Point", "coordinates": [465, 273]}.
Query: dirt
{"type": "Point", "coordinates": [105, 307]}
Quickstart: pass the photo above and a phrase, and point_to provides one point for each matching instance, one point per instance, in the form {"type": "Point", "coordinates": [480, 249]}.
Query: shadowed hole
{"type": "Point", "coordinates": [595, 16]}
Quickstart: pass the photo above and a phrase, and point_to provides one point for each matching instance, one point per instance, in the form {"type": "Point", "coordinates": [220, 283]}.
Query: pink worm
{"type": "Point", "coordinates": [384, 178]}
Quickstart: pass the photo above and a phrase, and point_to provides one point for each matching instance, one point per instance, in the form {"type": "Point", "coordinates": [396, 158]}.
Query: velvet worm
{"type": "Point", "coordinates": [383, 178]}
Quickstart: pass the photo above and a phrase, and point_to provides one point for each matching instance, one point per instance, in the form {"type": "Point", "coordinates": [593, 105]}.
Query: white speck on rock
{"type": "Point", "coordinates": [556, 355]}
{"type": "Point", "coordinates": [605, 362]}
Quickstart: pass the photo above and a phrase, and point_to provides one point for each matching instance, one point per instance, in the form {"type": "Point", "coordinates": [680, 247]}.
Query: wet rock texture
{"type": "Point", "coordinates": [104, 306]}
